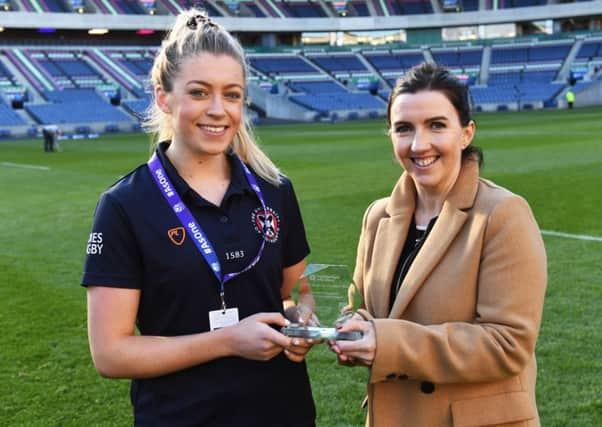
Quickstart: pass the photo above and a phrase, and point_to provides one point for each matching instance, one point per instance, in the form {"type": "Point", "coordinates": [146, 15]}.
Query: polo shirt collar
{"type": "Point", "coordinates": [238, 182]}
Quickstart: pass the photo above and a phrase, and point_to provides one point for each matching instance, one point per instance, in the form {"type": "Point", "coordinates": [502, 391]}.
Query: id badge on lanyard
{"type": "Point", "coordinates": [225, 316]}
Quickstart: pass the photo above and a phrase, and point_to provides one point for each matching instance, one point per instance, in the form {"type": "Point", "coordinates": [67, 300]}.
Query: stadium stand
{"type": "Point", "coordinates": [458, 57]}
{"type": "Point", "coordinates": [76, 112]}
{"type": "Point", "coordinates": [282, 65]}
{"type": "Point", "coordinates": [334, 63]}
{"type": "Point", "coordinates": [360, 8]}
{"type": "Point", "coordinates": [42, 6]}
{"type": "Point", "coordinates": [107, 82]}
{"type": "Point", "coordinates": [303, 9]}
{"type": "Point", "coordinates": [66, 69]}
{"type": "Point", "coordinates": [8, 117]}
{"type": "Point", "coordinates": [339, 101]}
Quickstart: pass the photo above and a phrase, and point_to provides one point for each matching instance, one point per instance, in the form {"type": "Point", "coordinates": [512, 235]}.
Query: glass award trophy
{"type": "Point", "coordinates": [331, 291]}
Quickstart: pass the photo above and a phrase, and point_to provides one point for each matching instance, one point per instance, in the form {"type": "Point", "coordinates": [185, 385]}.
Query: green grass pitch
{"type": "Point", "coordinates": [552, 158]}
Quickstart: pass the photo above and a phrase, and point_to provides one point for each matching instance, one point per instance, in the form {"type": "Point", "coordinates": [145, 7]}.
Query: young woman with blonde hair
{"type": "Point", "coordinates": [200, 249]}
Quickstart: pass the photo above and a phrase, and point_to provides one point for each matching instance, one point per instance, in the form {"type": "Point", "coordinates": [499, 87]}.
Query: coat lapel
{"type": "Point", "coordinates": [446, 228]}
{"type": "Point", "coordinates": [390, 237]}
{"type": "Point", "coordinates": [451, 219]}
{"type": "Point", "coordinates": [388, 244]}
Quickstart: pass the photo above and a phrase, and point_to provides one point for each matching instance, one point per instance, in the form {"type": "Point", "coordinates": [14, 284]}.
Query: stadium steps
{"type": "Point", "coordinates": [485, 61]}
{"type": "Point", "coordinates": [91, 7]}
{"type": "Point", "coordinates": [172, 6]}
{"type": "Point", "coordinates": [381, 8]}
{"type": "Point", "coordinates": [327, 10]}
{"type": "Point", "coordinates": [160, 9]}
{"type": "Point", "coordinates": [436, 6]}
{"type": "Point", "coordinates": [219, 8]}
{"type": "Point", "coordinates": [277, 106]}
{"type": "Point", "coordinates": [327, 74]}
{"type": "Point", "coordinates": [565, 68]}
{"type": "Point", "coordinates": [33, 92]}
{"type": "Point", "coordinates": [589, 96]}
{"type": "Point", "coordinates": [33, 72]}
{"type": "Point", "coordinates": [273, 8]}
{"type": "Point", "coordinates": [262, 7]}
{"type": "Point", "coordinates": [98, 69]}
{"type": "Point", "coordinates": [373, 69]}
{"type": "Point", "coordinates": [105, 7]}
{"type": "Point", "coordinates": [258, 96]}
{"type": "Point", "coordinates": [123, 77]}
{"type": "Point", "coordinates": [33, 6]}
{"type": "Point", "coordinates": [258, 72]}
{"type": "Point", "coordinates": [371, 9]}
{"type": "Point", "coordinates": [25, 116]}
{"type": "Point", "coordinates": [428, 55]}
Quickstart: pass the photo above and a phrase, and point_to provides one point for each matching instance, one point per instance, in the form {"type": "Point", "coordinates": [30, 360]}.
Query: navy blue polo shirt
{"type": "Point", "coordinates": [138, 242]}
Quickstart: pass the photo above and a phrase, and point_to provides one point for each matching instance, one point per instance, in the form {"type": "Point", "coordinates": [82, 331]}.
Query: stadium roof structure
{"type": "Point", "coordinates": [34, 20]}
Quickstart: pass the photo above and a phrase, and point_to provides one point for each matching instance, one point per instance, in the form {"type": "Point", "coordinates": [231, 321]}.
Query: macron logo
{"type": "Point", "coordinates": [164, 183]}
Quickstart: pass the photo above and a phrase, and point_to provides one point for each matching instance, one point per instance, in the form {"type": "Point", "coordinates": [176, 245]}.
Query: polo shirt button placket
{"type": "Point", "coordinates": [223, 219]}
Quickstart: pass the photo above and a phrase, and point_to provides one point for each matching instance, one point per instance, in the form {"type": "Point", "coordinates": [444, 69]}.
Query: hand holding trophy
{"type": "Point", "coordinates": [360, 352]}
{"type": "Point", "coordinates": [348, 309]}
{"type": "Point", "coordinates": [325, 278]}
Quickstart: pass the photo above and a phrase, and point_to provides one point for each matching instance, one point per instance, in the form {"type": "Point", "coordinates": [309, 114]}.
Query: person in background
{"type": "Point", "coordinates": [452, 271]}
{"type": "Point", "coordinates": [50, 134]}
{"type": "Point", "coordinates": [200, 250]}
{"type": "Point", "coordinates": [570, 98]}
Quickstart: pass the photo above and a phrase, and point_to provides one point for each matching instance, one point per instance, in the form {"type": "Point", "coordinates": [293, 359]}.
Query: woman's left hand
{"type": "Point", "coordinates": [304, 315]}
{"type": "Point", "coordinates": [360, 351]}
{"type": "Point", "coordinates": [299, 348]}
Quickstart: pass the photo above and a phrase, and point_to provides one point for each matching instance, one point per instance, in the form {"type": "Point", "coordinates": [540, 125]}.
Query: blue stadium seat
{"type": "Point", "coordinates": [316, 87]}
{"type": "Point", "coordinates": [334, 63]}
{"type": "Point", "coordinates": [8, 117]}
{"type": "Point", "coordinates": [360, 8]}
{"type": "Point", "coordinates": [72, 96]}
{"type": "Point", "coordinates": [394, 61]}
{"type": "Point", "coordinates": [84, 111]}
{"type": "Point", "coordinates": [303, 9]}
{"type": "Point", "coordinates": [590, 49]}
{"type": "Point", "coordinates": [282, 64]}
{"type": "Point", "coordinates": [137, 107]}
{"type": "Point", "coordinates": [339, 101]}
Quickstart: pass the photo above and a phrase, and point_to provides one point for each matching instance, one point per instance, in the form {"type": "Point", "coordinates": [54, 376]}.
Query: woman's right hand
{"type": "Point", "coordinates": [360, 351]}
{"type": "Point", "coordinates": [351, 356]}
{"type": "Point", "coordinates": [254, 337]}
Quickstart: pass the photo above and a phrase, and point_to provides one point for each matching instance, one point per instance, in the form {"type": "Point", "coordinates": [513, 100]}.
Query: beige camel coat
{"type": "Point", "coordinates": [457, 349]}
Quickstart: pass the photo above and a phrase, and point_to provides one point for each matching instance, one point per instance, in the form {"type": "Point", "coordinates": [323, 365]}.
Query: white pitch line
{"type": "Point", "coordinates": [571, 236]}
{"type": "Point", "coordinates": [24, 166]}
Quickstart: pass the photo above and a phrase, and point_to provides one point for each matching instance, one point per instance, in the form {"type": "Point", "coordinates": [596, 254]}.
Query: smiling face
{"type": "Point", "coordinates": [428, 139]}
{"type": "Point", "coordinates": [205, 104]}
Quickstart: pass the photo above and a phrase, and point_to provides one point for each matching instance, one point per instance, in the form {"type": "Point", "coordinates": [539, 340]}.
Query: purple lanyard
{"type": "Point", "coordinates": [198, 235]}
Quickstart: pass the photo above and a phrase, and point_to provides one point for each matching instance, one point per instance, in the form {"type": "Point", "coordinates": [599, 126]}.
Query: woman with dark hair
{"type": "Point", "coordinates": [452, 271]}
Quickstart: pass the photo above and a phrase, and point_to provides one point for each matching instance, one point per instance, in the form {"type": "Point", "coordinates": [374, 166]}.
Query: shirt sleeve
{"type": "Point", "coordinates": [112, 255]}
{"type": "Point", "coordinates": [295, 246]}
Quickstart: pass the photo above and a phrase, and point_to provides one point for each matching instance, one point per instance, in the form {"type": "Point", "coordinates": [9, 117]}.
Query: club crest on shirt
{"type": "Point", "coordinates": [266, 223]}
{"type": "Point", "coordinates": [177, 235]}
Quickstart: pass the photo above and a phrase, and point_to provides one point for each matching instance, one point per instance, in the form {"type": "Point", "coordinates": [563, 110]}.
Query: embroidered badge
{"type": "Point", "coordinates": [177, 235]}
{"type": "Point", "coordinates": [266, 223]}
